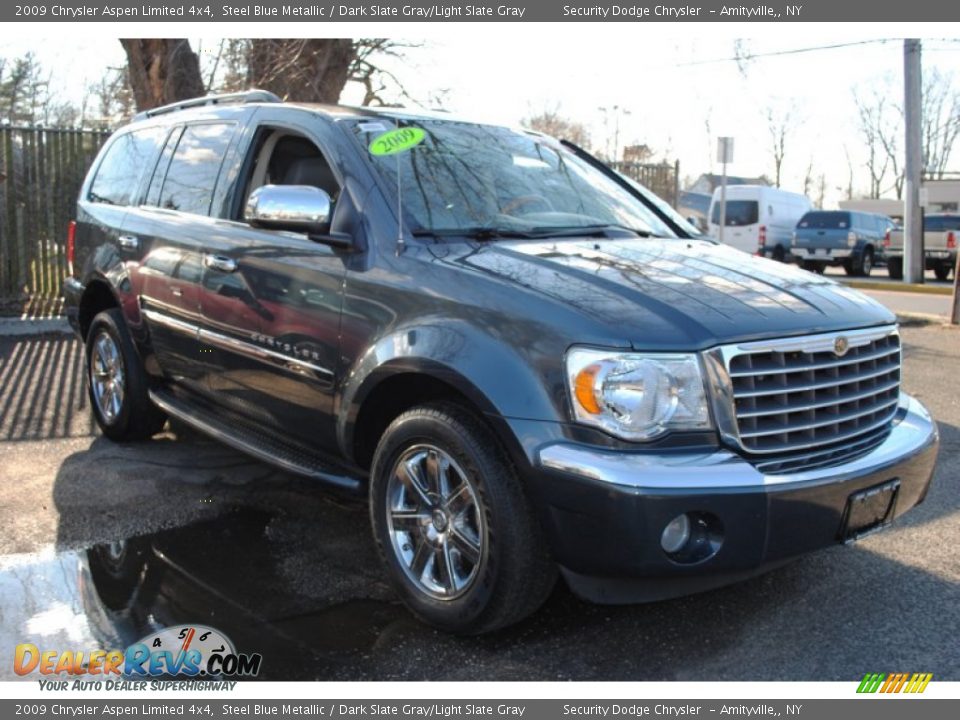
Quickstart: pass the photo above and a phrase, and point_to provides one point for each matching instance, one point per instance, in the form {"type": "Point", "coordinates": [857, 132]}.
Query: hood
{"type": "Point", "coordinates": [674, 294]}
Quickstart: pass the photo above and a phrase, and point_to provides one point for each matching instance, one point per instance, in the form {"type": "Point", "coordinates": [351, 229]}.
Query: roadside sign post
{"type": "Point", "coordinates": [955, 305]}
{"type": "Point", "coordinates": [724, 156]}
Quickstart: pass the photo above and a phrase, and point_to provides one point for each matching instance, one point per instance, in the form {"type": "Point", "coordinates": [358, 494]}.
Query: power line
{"type": "Point", "coordinates": [793, 51]}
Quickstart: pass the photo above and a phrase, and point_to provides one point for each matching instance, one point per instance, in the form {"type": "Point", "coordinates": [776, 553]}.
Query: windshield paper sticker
{"type": "Point", "coordinates": [397, 141]}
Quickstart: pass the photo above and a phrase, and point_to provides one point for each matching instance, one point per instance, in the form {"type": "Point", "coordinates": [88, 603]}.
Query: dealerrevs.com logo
{"type": "Point", "coordinates": [894, 682]}
{"type": "Point", "coordinates": [190, 651]}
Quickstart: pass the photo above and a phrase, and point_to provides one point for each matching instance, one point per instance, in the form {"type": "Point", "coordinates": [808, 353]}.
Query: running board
{"type": "Point", "coordinates": [237, 432]}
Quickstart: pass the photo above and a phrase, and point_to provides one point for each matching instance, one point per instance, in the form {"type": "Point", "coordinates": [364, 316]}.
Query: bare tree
{"type": "Point", "coordinates": [551, 122]}
{"type": "Point", "coordinates": [111, 98]}
{"type": "Point", "coordinates": [821, 191]}
{"type": "Point", "coordinates": [871, 113]}
{"type": "Point", "coordinates": [780, 124]}
{"type": "Point", "coordinates": [808, 178]}
{"type": "Point", "coordinates": [162, 71]}
{"type": "Point", "coordinates": [307, 70]}
{"type": "Point", "coordinates": [941, 122]}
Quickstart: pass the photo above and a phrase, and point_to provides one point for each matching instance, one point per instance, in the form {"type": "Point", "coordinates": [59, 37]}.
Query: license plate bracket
{"type": "Point", "coordinates": [869, 510]}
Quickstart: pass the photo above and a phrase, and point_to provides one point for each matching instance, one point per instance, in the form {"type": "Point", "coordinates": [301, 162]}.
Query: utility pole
{"type": "Point", "coordinates": [913, 260]}
{"type": "Point", "coordinates": [724, 155]}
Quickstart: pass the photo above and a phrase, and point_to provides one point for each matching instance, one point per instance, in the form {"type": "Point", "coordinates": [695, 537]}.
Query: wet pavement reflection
{"type": "Point", "coordinates": [239, 573]}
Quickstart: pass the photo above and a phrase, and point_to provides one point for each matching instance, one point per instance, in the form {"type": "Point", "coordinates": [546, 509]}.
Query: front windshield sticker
{"type": "Point", "coordinates": [397, 141]}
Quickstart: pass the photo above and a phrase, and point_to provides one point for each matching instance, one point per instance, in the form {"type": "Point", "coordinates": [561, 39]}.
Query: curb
{"type": "Point", "coordinates": [17, 327]}
{"type": "Point", "coordinates": [899, 287]}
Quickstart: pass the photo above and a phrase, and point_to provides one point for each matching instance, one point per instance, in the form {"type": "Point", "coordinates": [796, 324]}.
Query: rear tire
{"type": "Point", "coordinates": [895, 268]}
{"type": "Point", "coordinates": [453, 525]}
{"type": "Point", "coordinates": [865, 263]}
{"type": "Point", "coordinates": [942, 272]}
{"type": "Point", "coordinates": [779, 254]}
{"type": "Point", "coordinates": [117, 383]}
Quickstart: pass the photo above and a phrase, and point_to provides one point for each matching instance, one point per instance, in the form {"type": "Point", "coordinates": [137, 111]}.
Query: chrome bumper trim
{"type": "Point", "coordinates": [914, 431]}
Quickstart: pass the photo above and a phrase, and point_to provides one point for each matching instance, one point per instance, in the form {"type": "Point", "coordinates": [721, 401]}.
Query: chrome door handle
{"type": "Point", "coordinates": [129, 242]}
{"type": "Point", "coordinates": [220, 262]}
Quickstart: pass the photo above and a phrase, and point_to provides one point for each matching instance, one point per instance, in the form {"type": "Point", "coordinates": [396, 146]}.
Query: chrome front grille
{"type": "Point", "coordinates": [815, 399]}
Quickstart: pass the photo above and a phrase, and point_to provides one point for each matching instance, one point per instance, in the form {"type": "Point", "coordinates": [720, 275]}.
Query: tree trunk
{"type": "Point", "coordinates": [302, 70]}
{"type": "Point", "coordinates": [162, 71]}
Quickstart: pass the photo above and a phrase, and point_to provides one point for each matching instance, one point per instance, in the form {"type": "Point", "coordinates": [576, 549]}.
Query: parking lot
{"type": "Point", "coordinates": [288, 569]}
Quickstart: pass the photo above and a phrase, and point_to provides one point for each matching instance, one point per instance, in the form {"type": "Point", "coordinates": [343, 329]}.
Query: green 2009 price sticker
{"type": "Point", "coordinates": [397, 141]}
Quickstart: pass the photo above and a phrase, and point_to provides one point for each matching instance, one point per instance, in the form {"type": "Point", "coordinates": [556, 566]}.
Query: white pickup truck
{"type": "Point", "coordinates": [940, 232]}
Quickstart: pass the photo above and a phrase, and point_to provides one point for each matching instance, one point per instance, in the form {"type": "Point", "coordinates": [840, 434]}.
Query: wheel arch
{"type": "Point", "coordinates": [98, 295]}
{"type": "Point", "coordinates": [474, 370]}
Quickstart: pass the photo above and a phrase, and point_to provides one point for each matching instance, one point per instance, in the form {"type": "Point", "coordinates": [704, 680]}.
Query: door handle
{"type": "Point", "coordinates": [129, 242]}
{"type": "Point", "coordinates": [220, 262]}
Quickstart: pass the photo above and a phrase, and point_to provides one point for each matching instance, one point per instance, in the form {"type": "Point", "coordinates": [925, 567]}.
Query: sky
{"type": "Point", "coordinates": [666, 88]}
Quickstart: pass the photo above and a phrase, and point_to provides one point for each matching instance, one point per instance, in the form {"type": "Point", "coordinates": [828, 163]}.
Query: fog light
{"type": "Point", "coordinates": [675, 534]}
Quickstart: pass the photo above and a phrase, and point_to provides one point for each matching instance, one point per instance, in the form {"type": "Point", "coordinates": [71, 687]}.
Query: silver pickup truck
{"type": "Point", "coordinates": [940, 233]}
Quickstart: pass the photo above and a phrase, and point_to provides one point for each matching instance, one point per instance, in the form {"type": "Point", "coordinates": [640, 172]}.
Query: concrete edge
{"type": "Point", "coordinates": [13, 327]}
{"type": "Point", "coordinates": [899, 287]}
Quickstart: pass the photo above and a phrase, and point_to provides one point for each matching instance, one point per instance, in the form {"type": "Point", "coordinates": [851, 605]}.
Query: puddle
{"type": "Point", "coordinates": [251, 575]}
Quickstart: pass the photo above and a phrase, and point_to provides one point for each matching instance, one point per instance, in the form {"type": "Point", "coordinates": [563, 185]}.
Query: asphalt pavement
{"type": "Point", "coordinates": [287, 568]}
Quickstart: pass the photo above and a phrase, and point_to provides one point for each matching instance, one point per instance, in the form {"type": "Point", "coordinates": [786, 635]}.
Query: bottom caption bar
{"type": "Point", "coordinates": [875, 708]}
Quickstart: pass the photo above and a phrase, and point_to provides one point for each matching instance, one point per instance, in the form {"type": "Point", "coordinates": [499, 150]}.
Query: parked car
{"type": "Point", "coordinates": [759, 220]}
{"type": "Point", "coordinates": [841, 237]}
{"type": "Point", "coordinates": [528, 363]}
{"type": "Point", "coordinates": [940, 231]}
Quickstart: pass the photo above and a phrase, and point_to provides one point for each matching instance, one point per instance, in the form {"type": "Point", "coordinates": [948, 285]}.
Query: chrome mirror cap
{"type": "Point", "coordinates": [300, 208]}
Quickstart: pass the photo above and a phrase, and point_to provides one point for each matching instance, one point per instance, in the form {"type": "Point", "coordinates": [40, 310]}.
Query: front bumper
{"type": "Point", "coordinates": [605, 511]}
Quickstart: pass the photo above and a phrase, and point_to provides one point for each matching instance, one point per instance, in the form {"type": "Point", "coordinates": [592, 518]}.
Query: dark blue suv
{"type": "Point", "coordinates": [527, 363]}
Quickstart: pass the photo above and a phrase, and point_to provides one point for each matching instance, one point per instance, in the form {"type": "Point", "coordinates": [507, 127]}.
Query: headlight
{"type": "Point", "coordinates": [637, 396]}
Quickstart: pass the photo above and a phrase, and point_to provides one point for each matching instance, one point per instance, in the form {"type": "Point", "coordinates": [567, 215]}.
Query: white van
{"type": "Point", "coordinates": [760, 220]}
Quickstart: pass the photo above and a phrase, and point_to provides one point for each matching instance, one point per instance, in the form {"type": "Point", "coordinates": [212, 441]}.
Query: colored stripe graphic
{"type": "Point", "coordinates": [894, 682]}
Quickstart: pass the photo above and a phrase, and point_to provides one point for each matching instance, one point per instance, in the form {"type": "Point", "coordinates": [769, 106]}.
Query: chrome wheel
{"type": "Point", "coordinates": [106, 377]}
{"type": "Point", "coordinates": [435, 523]}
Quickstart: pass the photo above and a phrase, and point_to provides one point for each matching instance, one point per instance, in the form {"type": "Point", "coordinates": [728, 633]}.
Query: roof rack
{"type": "Point", "coordinates": [248, 96]}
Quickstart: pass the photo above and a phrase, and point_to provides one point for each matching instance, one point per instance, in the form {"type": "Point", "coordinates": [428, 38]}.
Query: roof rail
{"type": "Point", "coordinates": [247, 96]}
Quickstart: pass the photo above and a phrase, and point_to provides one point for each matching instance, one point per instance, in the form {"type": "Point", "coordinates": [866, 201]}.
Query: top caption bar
{"type": "Point", "coordinates": [532, 11]}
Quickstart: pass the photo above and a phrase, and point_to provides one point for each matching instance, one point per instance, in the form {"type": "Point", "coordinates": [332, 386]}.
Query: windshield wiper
{"type": "Point", "coordinates": [591, 230]}
{"type": "Point", "coordinates": [478, 233]}
{"type": "Point", "coordinates": [535, 233]}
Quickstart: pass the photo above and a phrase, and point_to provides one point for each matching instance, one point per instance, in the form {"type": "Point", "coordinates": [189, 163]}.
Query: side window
{"type": "Point", "coordinates": [192, 175]}
{"type": "Point", "coordinates": [282, 157]}
{"type": "Point", "coordinates": [119, 174]}
{"type": "Point", "coordinates": [156, 182]}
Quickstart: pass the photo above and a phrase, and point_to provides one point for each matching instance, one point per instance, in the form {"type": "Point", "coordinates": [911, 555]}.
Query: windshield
{"type": "Point", "coordinates": [739, 212]}
{"type": "Point", "coordinates": [825, 220]}
{"type": "Point", "coordinates": [467, 177]}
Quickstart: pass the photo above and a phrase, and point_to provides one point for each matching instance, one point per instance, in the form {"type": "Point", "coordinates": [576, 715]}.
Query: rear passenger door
{"type": "Point", "coordinates": [171, 229]}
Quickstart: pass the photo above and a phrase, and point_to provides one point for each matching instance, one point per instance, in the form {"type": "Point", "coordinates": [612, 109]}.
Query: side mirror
{"type": "Point", "coordinates": [298, 208]}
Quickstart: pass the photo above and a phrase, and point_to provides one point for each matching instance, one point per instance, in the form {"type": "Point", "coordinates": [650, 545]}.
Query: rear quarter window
{"type": "Point", "coordinates": [941, 223]}
{"type": "Point", "coordinates": [195, 166]}
{"type": "Point", "coordinates": [825, 220]}
{"type": "Point", "coordinates": [127, 159]}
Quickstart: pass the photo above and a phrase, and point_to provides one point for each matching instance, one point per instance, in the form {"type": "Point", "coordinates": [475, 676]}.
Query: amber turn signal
{"type": "Point", "coordinates": [584, 388]}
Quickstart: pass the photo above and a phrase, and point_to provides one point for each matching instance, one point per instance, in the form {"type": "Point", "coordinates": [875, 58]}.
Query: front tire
{"type": "Point", "coordinates": [942, 271]}
{"type": "Point", "coordinates": [116, 381]}
{"type": "Point", "coordinates": [453, 525]}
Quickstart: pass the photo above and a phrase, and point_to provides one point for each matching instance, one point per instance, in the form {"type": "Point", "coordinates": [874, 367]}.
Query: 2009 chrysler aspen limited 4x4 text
{"type": "Point", "coordinates": [529, 363]}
